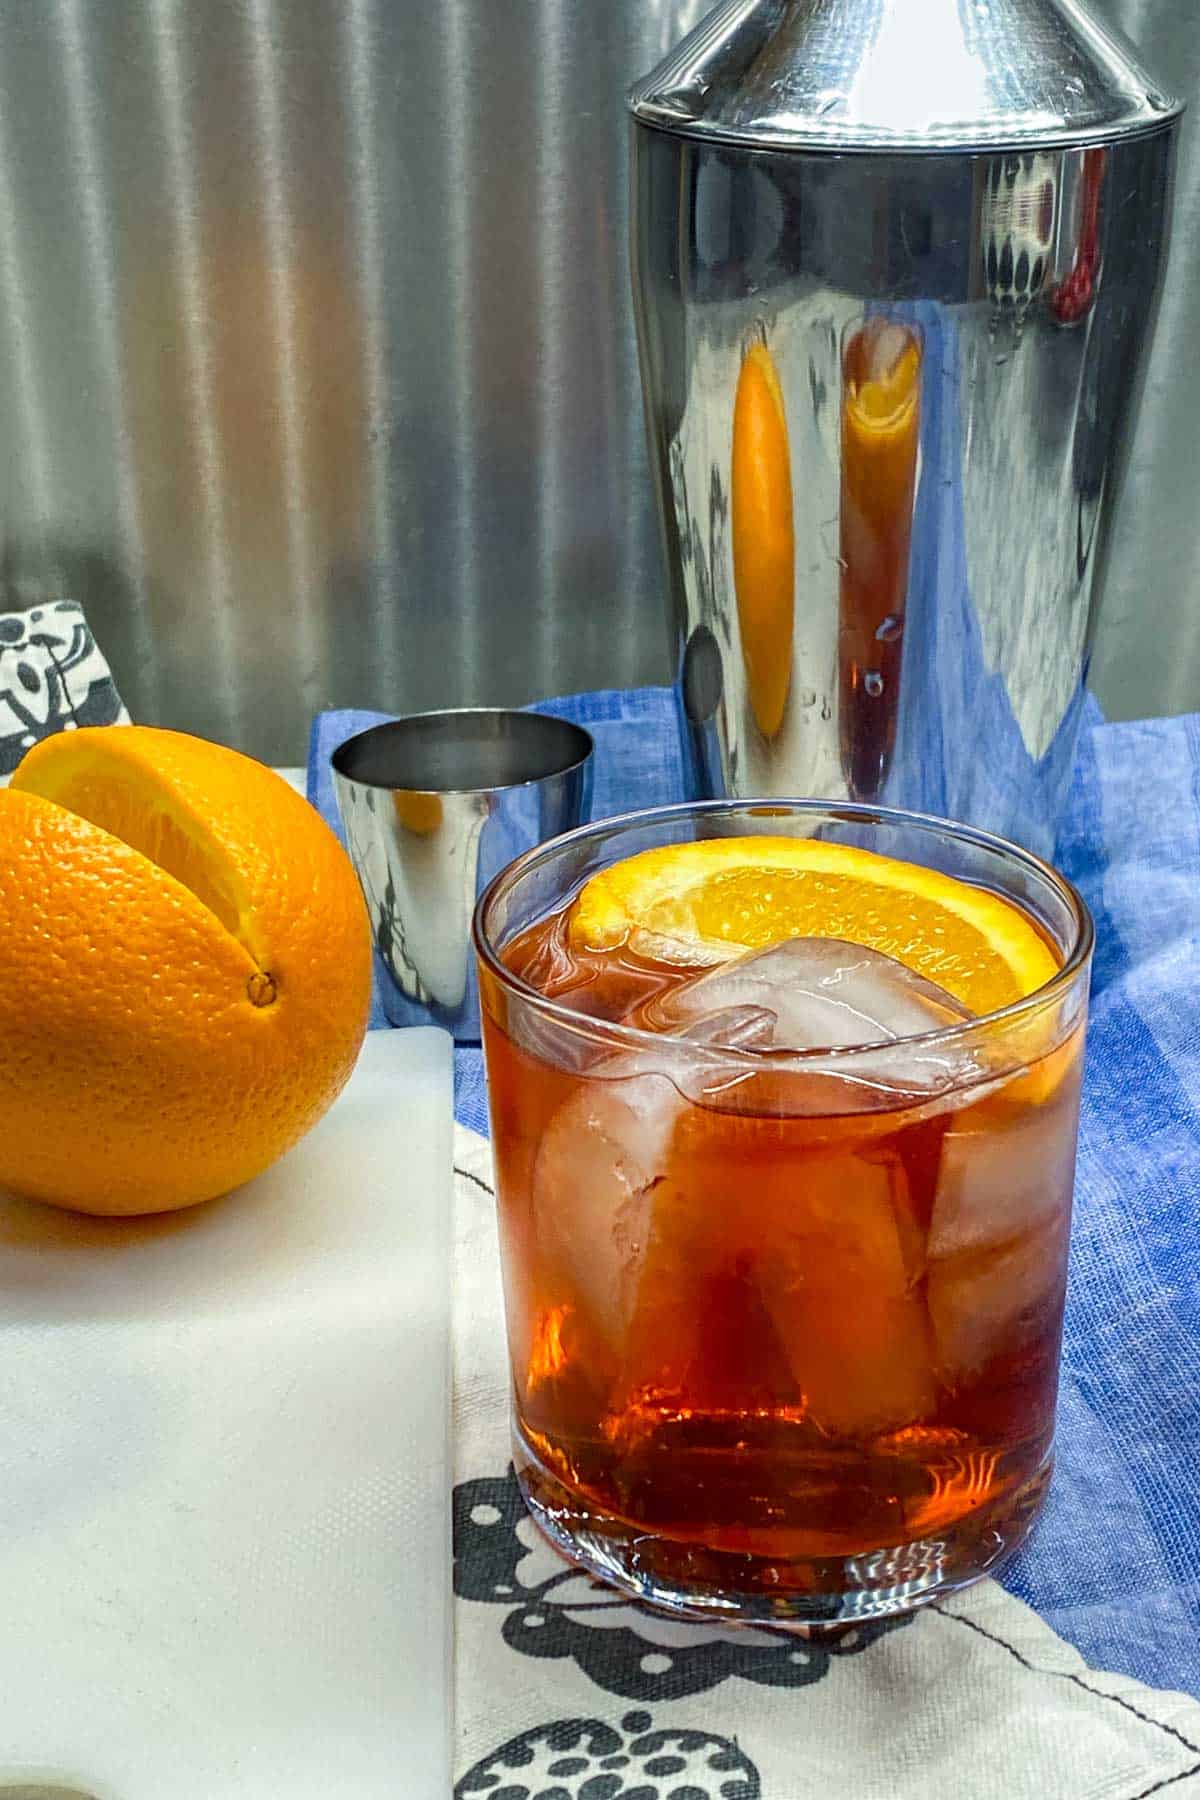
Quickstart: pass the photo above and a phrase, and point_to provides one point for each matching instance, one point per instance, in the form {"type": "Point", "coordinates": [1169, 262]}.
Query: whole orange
{"type": "Point", "coordinates": [185, 970]}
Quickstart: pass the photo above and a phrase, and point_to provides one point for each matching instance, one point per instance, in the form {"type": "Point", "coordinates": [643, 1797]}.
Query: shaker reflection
{"type": "Point", "coordinates": [880, 428]}
{"type": "Point", "coordinates": [764, 551]}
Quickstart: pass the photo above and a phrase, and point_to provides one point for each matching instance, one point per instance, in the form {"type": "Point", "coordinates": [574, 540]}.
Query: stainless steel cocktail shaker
{"type": "Point", "coordinates": [896, 265]}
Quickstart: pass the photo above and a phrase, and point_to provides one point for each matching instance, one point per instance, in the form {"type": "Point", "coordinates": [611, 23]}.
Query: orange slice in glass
{"type": "Point", "coordinates": [722, 896]}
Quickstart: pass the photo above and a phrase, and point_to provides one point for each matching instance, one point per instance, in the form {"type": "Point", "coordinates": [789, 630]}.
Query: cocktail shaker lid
{"type": "Point", "coordinates": [903, 75]}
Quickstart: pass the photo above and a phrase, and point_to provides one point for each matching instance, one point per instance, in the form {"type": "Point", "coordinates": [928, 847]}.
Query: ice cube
{"type": "Point", "coordinates": [630, 1225]}
{"type": "Point", "coordinates": [998, 1234]}
{"type": "Point", "coordinates": [677, 1351]}
{"type": "Point", "coordinates": [825, 994]}
{"type": "Point", "coordinates": [1000, 1179]}
{"type": "Point", "coordinates": [988, 1303]}
{"type": "Point", "coordinates": [593, 1187]}
{"type": "Point", "coordinates": [840, 1283]}
{"type": "Point", "coordinates": [733, 1028]}
{"type": "Point", "coordinates": [603, 1157]}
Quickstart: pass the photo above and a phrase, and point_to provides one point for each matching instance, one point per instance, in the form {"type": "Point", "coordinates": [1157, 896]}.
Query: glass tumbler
{"type": "Point", "coordinates": [784, 1326]}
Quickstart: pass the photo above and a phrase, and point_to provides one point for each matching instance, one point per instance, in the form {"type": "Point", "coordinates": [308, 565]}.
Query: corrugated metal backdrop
{"type": "Point", "coordinates": [317, 373]}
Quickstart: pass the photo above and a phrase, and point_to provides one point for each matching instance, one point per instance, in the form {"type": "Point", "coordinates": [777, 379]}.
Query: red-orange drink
{"type": "Point", "coordinates": [784, 1329]}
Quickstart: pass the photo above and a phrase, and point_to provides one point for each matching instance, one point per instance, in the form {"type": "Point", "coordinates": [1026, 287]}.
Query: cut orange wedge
{"type": "Point", "coordinates": [722, 896]}
{"type": "Point", "coordinates": [185, 970]}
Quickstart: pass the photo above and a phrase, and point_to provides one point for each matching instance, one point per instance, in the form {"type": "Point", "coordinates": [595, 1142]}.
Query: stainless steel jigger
{"type": "Point", "coordinates": [434, 805]}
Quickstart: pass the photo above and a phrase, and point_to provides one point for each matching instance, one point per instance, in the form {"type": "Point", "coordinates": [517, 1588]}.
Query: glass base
{"type": "Point", "coordinates": [689, 1580]}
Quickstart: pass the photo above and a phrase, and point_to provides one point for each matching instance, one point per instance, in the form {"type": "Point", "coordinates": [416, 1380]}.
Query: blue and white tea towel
{"type": "Point", "coordinates": [53, 677]}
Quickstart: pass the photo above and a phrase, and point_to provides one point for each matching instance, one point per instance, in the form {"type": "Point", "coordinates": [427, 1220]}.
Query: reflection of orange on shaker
{"type": "Point", "coordinates": [763, 536]}
{"type": "Point", "coordinates": [881, 371]}
{"type": "Point", "coordinates": [881, 387]}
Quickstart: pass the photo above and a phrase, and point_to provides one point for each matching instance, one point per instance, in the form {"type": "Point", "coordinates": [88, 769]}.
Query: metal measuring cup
{"type": "Point", "coordinates": [433, 806]}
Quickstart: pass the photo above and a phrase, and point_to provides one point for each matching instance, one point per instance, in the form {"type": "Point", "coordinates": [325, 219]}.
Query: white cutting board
{"type": "Point", "coordinates": [224, 1471]}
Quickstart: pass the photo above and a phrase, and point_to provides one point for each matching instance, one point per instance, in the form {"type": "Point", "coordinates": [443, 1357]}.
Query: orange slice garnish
{"type": "Point", "coordinates": [723, 896]}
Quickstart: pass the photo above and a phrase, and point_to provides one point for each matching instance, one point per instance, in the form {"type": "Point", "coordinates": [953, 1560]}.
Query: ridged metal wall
{"type": "Point", "coordinates": [317, 373]}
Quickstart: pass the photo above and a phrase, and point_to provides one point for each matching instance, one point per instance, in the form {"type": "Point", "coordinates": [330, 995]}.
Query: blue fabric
{"type": "Point", "coordinates": [1115, 1563]}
